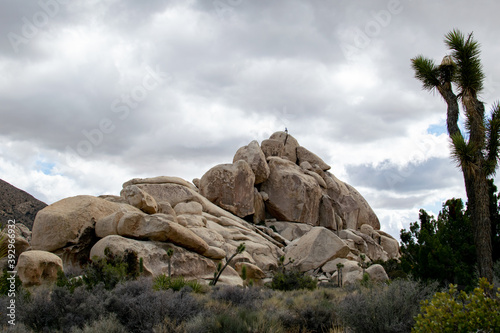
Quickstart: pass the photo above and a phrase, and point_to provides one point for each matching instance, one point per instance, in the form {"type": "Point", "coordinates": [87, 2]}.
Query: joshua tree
{"type": "Point", "coordinates": [363, 264]}
{"type": "Point", "coordinates": [476, 152]}
{"type": "Point", "coordinates": [221, 268]}
{"type": "Point", "coordinates": [170, 253]}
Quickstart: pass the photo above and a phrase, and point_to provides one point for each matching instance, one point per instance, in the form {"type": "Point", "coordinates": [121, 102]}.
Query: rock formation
{"type": "Point", "coordinates": [278, 198]}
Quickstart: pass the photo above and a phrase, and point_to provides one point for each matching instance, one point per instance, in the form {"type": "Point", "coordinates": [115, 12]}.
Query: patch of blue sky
{"type": "Point", "coordinates": [436, 129]}
{"type": "Point", "coordinates": [45, 166]}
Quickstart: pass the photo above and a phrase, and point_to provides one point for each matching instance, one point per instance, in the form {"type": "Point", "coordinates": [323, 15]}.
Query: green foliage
{"type": "Point", "coordinates": [366, 281]}
{"type": "Point", "coordinates": [453, 311]}
{"type": "Point", "coordinates": [111, 270]}
{"type": "Point", "coordinates": [6, 282]}
{"type": "Point", "coordinates": [244, 272]}
{"type": "Point", "coordinates": [70, 283]}
{"type": "Point", "coordinates": [292, 280]}
{"type": "Point", "coordinates": [393, 268]}
{"type": "Point", "coordinates": [426, 71]}
{"type": "Point", "coordinates": [164, 282]}
{"type": "Point", "coordinates": [465, 52]}
{"type": "Point", "coordinates": [441, 249]}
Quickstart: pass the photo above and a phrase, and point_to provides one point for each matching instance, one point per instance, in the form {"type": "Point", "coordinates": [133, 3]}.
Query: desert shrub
{"type": "Point", "coordinates": [107, 324]}
{"type": "Point", "coordinates": [59, 309]}
{"type": "Point", "coordinates": [18, 328]}
{"type": "Point", "coordinates": [241, 320]}
{"type": "Point", "coordinates": [292, 280]}
{"type": "Point", "coordinates": [384, 308]}
{"type": "Point", "coordinates": [139, 308]}
{"type": "Point", "coordinates": [247, 297]}
{"type": "Point", "coordinates": [453, 311]}
{"type": "Point", "coordinates": [305, 311]}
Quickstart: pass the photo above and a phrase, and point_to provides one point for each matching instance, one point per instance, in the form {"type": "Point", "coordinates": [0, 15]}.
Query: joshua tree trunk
{"type": "Point", "coordinates": [482, 228]}
{"type": "Point", "coordinates": [475, 178]}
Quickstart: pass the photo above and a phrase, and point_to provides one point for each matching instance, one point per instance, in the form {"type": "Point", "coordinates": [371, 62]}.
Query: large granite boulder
{"type": "Point", "coordinates": [290, 145]}
{"type": "Point", "coordinates": [254, 156]}
{"type": "Point", "coordinates": [64, 222]}
{"type": "Point", "coordinates": [304, 155]}
{"type": "Point", "coordinates": [38, 267]}
{"type": "Point", "coordinates": [231, 187]}
{"type": "Point", "coordinates": [315, 248]}
{"type": "Point", "coordinates": [349, 204]}
{"type": "Point", "coordinates": [293, 195]}
{"type": "Point", "coordinates": [140, 199]}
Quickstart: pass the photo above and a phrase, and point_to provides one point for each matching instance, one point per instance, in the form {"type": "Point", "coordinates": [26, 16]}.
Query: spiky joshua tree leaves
{"type": "Point", "coordinates": [476, 151]}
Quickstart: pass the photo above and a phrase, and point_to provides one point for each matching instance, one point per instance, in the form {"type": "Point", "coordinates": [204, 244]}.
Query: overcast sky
{"type": "Point", "coordinates": [94, 93]}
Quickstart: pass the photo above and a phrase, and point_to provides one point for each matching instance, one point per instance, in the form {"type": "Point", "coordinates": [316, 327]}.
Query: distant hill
{"type": "Point", "coordinates": [17, 204]}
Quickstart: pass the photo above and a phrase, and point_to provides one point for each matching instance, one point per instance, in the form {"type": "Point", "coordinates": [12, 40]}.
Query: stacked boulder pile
{"type": "Point", "coordinates": [277, 197]}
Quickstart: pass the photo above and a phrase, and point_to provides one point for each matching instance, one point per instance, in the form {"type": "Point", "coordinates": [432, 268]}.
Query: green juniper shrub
{"type": "Point", "coordinates": [292, 280]}
{"type": "Point", "coordinates": [384, 308]}
{"type": "Point", "coordinates": [441, 249]}
{"type": "Point", "coordinates": [454, 311]}
{"type": "Point", "coordinates": [393, 268]}
{"type": "Point", "coordinates": [112, 269]}
{"type": "Point", "coordinates": [366, 281]}
{"type": "Point", "coordinates": [70, 283]}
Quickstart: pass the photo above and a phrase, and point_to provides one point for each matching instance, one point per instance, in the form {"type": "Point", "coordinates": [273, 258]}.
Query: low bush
{"type": "Point", "coordinates": [59, 309]}
{"type": "Point", "coordinates": [384, 308]}
{"type": "Point", "coordinates": [107, 324]}
{"type": "Point", "coordinates": [247, 297]}
{"type": "Point", "coordinates": [305, 311]}
{"type": "Point", "coordinates": [453, 311]}
{"type": "Point", "coordinates": [241, 320]}
{"type": "Point", "coordinates": [139, 308]}
{"type": "Point", "coordinates": [292, 280]}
